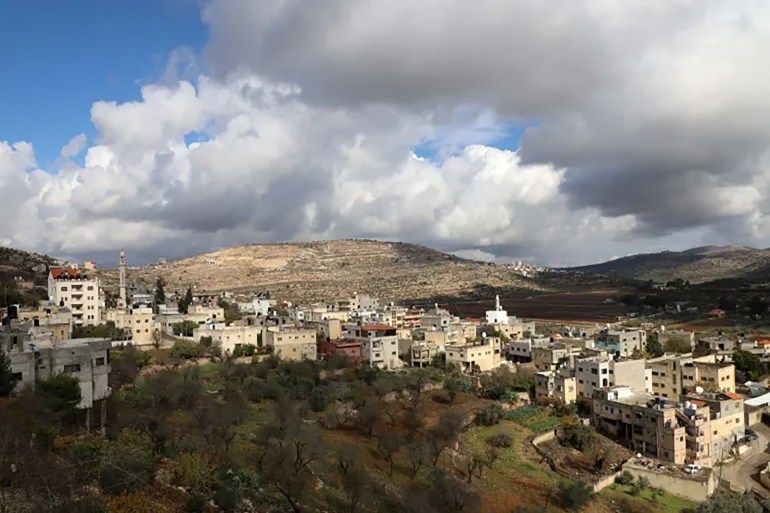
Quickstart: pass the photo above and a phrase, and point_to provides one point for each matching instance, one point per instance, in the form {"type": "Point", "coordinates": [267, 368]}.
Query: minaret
{"type": "Point", "coordinates": [497, 303]}
{"type": "Point", "coordinates": [122, 272]}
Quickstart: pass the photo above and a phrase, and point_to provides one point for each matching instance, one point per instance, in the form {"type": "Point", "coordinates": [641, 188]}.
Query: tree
{"type": "Point", "coordinates": [355, 483]}
{"type": "Point", "coordinates": [369, 415]}
{"type": "Point", "coordinates": [577, 435]}
{"type": "Point", "coordinates": [654, 347]}
{"type": "Point", "coordinates": [750, 364]}
{"type": "Point", "coordinates": [390, 444]}
{"type": "Point", "coordinates": [418, 453]}
{"type": "Point", "coordinates": [160, 293]}
{"type": "Point", "coordinates": [445, 493]}
{"type": "Point", "coordinates": [61, 395]}
{"type": "Point", "coordinates": [729, 502]}
{"type": "Point", "coordinates": [185, 303]}
{"type": "Point", "coordinates": [452, 388]}
{"type": "Point", "coordinates": [573, 495]}
{"type": "Point", "coordinates": [677, 345]}
{"type": "Point", "coordinates": [184, 328]}
{"type": "Point", "coordinates": [7, 383]}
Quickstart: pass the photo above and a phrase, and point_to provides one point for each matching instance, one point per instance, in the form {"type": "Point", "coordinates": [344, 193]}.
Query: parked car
{"type": "Point", "coordinates": [750, 435]}
{"type": "Point", "coordinates": [692, 468]}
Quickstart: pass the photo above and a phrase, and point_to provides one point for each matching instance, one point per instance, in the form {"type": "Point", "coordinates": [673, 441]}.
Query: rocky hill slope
{"type": "Point", "coordinates": [329, 269]}
{"type": "Point", "coordinates": [698, 265]}
{"type": "Point", "coordinates": [15, 263]}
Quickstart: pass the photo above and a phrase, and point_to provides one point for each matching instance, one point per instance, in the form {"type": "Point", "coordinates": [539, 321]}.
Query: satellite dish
{"type": "Point", "coordinates": [484, 334]}
{"type": "Point", "coordinates": [698, 390]}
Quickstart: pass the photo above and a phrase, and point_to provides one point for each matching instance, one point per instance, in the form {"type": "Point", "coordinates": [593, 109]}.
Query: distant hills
{"type": "Point", "coordinates": [698, 265]}
{"type": "Point", "coordinates": [15, 263]}
{"type": "Point", "coordinates": [316, 271]}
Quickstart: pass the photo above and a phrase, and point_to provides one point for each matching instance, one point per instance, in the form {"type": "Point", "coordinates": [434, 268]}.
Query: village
{"type": "Point", "coordinates": [688, 409]}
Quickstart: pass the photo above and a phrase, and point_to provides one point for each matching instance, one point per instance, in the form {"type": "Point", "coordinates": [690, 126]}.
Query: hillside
{"type": "Point", "coordinates": [15, 263]}
{"type": "Point", "coordinates": [698, 265]}
{"type": "Point", "coordinates": [329, 269]}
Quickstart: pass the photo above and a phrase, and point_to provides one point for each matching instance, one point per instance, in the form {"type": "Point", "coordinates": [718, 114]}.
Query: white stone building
{"type": "Point", "coordinates": [77, 291]}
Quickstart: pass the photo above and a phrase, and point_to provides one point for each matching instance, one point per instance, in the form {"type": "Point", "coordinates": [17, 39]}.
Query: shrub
{"type": "Point", "coordinates": [500, 440]}
{"type": "Point", "coordinates": [255, 389]}
{"type": "Point", "coordinates": [625, 479]}
{"type": "Point", "coordinates": [490, 415]}
{"type": "Point", "coordinates": [577, 436]}
{"type": "Point", "coordinates": [186, 349]}
{"type": "Point", "coordinates": [573, 495]}
{"type": "Point", "coordinates": [320, 398]}
{"type": "Point", "coordinates": [196, 503]}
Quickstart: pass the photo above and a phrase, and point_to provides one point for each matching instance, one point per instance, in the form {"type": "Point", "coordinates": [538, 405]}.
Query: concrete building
{"type": "Point", "coordinates": [78, 292]}
{"type": "Point", "coordinates": [379, 345]}
{"type": "Point", "coordinates": [553, 357]}
{"type": "Point", "coordinates": [672, 375]}
{"type": "Point", "coordinates": [292, 343]}
{"type": "Point", "coordinates": [421, 354]}
{"type": "Point", "coordinates": [229, 337]}
{"type": "Point", "coordinates": [607, 371]}
{"type": "Point", "coordinates": [437, 319]}
{"type": "Point", "coordinates": [649, 426]}
{"type": "Point", "coordinates": [554, 385]}
{"type": "Point", "coordinates": [474, 357]}
{"type": "Point", "coordinates": [727, 421]}
{"type": "Point", "coordinates": [620, 342]}
{"type": "Point", "coordinates": [350, 348]}
{"type": "Point", "coordinates": [55, 321]}
{"type": "Point", "coordinates": [521, 350]}
{"type": "Point", "coordinates": [138, 322]}
{"type": "Point", "coordinates": [87, 360]}
{"type": "Point", "coordinates": [701, 429]}
{"type": "Point", "coordinates": [330, 329]}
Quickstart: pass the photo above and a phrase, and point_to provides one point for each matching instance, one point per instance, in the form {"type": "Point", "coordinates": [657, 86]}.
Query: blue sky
{"type": "Point", "coordinates": [59, 57]}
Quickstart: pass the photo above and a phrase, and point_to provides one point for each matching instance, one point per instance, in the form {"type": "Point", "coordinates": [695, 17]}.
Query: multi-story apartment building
{"type": "Point", "coordinates": [621, 343]}
{"type": "Point", "coordinates": [138, 322]}
{"type": "Point", "coordinates": [701, 429]}
{"type": "Point", "coordinates": [78, 292]}
{"type": "Point", "coordinates": [607, 371]}
{"type": "Point", "coordinates": [651, 427]}
{"type": "Point", "coordinates": [671, 375]}
{"type": "Point", "coordinates": [727, 421]}
{"type": "Point", "coordinates": [472, 357]}
{"type": "Point", "coordinates": [437, 319]}
{"type": "Point", "coordinates": [87, 360]}
{"type": "Point", "coordinates": [292, 343]}
{"type": "Point", "coordinates": [330, 329]}
{"type": "Point", "coordinates": [553, 357]}
{"type": "Point", "coordinates": [521, 350]}
{"type": "Point", "coordinates": [555, 385]}
{"type": "Point", "coordinates": [421, 354]}
{"type": "Point", "coordinates": [379, 345]}
{"type": "Point", "coordinates": [228, 338]}
{"type": "Point", "coordinates": [350, 348]}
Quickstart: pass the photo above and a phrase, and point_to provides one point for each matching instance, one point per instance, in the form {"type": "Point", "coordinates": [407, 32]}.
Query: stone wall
{"type": "Point", "coordinates": [697, 488]}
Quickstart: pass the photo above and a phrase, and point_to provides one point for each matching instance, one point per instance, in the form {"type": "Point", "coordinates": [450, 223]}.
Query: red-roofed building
{"type": "Point", "coordinates": [716, 313]}
{"type": "Point", "coordinates": [73, 289]}
{"type": "Point", "coordinates": [350, 348]}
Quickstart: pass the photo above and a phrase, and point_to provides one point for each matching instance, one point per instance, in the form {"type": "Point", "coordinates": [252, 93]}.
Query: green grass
{"type": "Point", "coordinates": [534, 418]}
{"type": "Point", "coordinates": [666, 503]}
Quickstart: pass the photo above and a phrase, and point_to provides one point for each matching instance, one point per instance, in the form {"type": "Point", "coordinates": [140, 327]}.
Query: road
{"type": "Point", "coordinates": [742, 473]}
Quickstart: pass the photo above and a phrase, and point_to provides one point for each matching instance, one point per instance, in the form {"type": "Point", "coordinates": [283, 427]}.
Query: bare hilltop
{"type": "Point", "coordinates": [697, 265]}
{"type": "Point", "coordinates": [330, 269]}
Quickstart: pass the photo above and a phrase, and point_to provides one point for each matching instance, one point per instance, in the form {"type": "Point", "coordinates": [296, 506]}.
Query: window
{"type": "Point", "coordinates": [16, 376]}
{"type": "Point", "coordinates": [74, 367]}
{"type": "Point", "coordinates": [90, 287]}
{"type": "Point", "coordinates": [99, 361]}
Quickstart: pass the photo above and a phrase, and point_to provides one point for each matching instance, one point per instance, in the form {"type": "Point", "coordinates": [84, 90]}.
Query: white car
{"type": "Point", "coordinates": [692, 468]}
